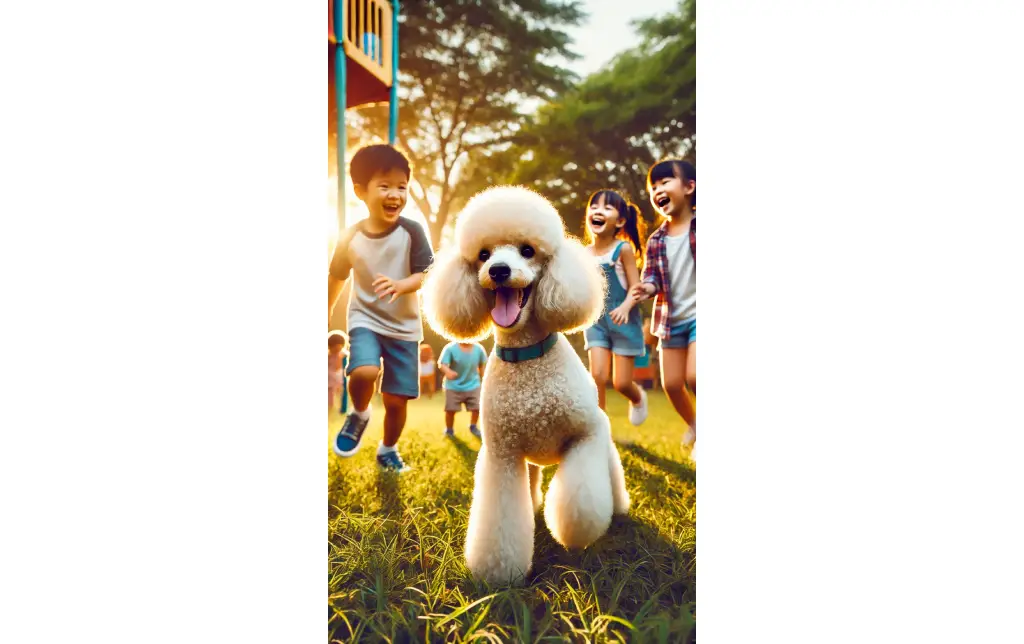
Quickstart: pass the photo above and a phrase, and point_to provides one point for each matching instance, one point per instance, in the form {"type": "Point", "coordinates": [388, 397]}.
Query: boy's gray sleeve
{"type": "Point", "coordinates": [421, 256]}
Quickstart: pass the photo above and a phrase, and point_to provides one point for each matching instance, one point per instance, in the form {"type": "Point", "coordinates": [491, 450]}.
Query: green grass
{"type": "Point", "coordinates": [396, 565]}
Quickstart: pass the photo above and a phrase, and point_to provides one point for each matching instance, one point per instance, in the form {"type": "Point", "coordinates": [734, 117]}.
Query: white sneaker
{"type": "Point", "coordinates": [693, 453]}
{"type": "Point", "coordinates": [638, 412]}
{"type": "Point", "coordinates": [690, 437]}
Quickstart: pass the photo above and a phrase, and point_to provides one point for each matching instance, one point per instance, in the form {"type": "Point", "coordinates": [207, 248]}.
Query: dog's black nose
{"type": "Point", "coordinates": [500, 272]}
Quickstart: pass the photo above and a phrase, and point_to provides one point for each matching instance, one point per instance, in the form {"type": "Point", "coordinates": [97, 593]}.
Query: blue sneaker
{"type": "Point", "coordinates": [449, 432]}
{"type": "Point", "coordinates": [392, 461]}
{"type": "Point", "coordinates": [474, 430]}
{"type": "Point", "coordinates": [346, 443]}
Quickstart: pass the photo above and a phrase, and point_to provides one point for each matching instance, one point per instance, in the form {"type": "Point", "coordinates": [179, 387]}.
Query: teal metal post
{"type": "Point", "coordinates": [340, 98]}
{"type": "Point", "coordinates": [393, 101]}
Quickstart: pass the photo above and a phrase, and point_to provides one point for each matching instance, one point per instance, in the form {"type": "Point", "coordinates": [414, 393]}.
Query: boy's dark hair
{"type": "Point", "coordinates": [372, 159]}
{"type": "Point", "coordinates": [635, 227]}
{"type": "Point", "coordinates": [673, 168]}
{"type": "Point", "coordinates": [334, 338]}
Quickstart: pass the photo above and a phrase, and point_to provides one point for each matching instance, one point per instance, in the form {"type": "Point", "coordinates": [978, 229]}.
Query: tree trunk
{"type": "Point", "coordinates": [437, 226]}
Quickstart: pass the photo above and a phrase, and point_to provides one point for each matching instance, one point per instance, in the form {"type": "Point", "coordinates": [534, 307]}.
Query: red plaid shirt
{"type": "Point", "coordinates": [656, 272]}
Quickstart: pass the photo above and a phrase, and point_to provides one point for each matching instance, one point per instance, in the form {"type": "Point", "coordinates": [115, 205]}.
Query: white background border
{"type": "Point", "coordinates": [162, 470]}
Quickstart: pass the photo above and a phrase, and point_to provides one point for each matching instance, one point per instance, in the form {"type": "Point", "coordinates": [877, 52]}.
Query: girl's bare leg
{"type": "Point", "coordinates": [624, 379]}
{"type": "Point", "coordinates": [673, 380]}
{"type": "Point", "coordinates": [691, 367]}
{"type": "Point", "coordinates": [600, 370]}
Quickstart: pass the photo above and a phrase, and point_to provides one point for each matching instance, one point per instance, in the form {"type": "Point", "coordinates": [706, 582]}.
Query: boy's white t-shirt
{"type": "Point", "coordinates": [682, 270]}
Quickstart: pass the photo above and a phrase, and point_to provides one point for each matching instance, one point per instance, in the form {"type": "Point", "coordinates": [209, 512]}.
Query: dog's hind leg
{"type": "Point", "coordinates": [578, 507]}
{"type": "Point", "coordinates": [535, 480]}
{"type": "Point", "coordinates": [499, 541]}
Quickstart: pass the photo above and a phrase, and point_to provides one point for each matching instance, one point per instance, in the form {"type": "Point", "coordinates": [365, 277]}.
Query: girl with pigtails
{"type": "Point", "coordinates": [613, 230]}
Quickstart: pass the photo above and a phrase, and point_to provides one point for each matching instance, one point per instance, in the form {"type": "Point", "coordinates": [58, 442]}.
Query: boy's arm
{"type": "Point", "coordinates": [384, 286]}
{"type": "Point", "coordinates": [421, 256]}
{"type": "Point", "coordinates": [334, 287]}
{"type": "Point", "coordinates": [412, 283]}
{"type": "Point", "coordinates": [420, 259]}
{"type": "Point", "coordinates": [337, 274]}
{"type": "Point", "coordinates": [443, 365]}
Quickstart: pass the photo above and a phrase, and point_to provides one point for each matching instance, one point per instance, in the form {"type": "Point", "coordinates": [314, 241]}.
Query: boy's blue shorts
{"type": "Point", "coordinates": [621, 339]}
{"type": "Point", "coordinates": [681, 335]}
{"type": "Point", "coordinates": [401, 360]}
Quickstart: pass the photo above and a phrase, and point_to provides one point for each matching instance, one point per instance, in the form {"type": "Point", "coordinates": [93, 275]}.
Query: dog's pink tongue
{"type": "Point", "coordinates": [506, 306]}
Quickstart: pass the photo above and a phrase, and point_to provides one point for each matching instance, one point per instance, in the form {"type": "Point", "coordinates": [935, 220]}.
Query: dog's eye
{"type": "Point", "coordinates": [526, 251]}
{"type": "Point", "coordinates": [484, 255]}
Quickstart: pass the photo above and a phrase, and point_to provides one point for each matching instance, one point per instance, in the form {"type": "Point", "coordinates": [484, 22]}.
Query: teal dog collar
{"type": "Point", "coordinates": [527, 353]}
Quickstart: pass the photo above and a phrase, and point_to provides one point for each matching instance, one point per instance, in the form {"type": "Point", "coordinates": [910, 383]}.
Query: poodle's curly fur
{"type": "Point", "coordinates": [537, 412]}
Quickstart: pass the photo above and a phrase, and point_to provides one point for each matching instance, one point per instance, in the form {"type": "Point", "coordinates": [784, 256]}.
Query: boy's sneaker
{"type": "Point", "coordinates": [390, 460]}
{"type": "Point", "coordinates": [474, 430]}
{"type": "Point", "coordinates": [449, 432]}
{"type": "Point", "coordinates": [346, 443]}
{"type": "Point", "coordinates": [690, 437]}
{"type": "Point", "coordinates": [638, 412]}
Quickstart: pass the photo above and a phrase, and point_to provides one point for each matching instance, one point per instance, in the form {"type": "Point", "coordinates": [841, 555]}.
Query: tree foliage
{"type": "Point", "coordinates": [485, 100]}
{"type": "Point", "coordinates": [614, 125]}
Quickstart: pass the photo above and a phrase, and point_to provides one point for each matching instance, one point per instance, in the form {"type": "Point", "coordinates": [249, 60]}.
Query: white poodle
{"type": "Point", "coordinates": [512, 268]}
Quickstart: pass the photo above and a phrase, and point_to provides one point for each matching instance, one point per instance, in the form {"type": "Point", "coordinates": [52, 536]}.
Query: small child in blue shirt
{"type": "Point", "coordinates": [463, 365]}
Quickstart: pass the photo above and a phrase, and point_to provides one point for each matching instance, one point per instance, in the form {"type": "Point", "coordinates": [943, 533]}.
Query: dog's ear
{"type": "Point", "coordinates": [453, 300]}
{"type": "Point", "coordinates": [571, 290]}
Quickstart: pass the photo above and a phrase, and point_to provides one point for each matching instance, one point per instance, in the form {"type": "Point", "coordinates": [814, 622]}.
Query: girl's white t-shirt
{"type": "Point", "coordinates": [682, 270]}
{"type": "Point", "coordinates": [427, 368]}
{"type": "Point", "coordinates": [620, 272]}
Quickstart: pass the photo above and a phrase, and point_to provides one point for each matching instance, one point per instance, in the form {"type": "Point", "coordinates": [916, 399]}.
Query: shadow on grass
{"type": "Point", "coordinates": [632, 572]}
{"type": "Point", "coordinates": [636, 572]}
{"type": "Point", "coordinates": [642, 571]}
{"type": "Point", "coordinates": [467, 453]}
{"type": "Point", "coordinates": [678, 469]}
{"type": "Point", "coordinates": [628, 542]}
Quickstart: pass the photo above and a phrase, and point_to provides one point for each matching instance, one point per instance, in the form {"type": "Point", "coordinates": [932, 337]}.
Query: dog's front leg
{"type": "Point", "coordinates": [499, 542]}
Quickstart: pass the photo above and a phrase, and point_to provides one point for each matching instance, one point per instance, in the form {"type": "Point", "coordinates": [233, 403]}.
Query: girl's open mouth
{"type": "Point", "coordinates": [508, 305]}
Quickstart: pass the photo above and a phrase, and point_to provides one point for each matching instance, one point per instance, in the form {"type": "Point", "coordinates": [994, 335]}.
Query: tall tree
{"type": "Point", "coordinates": [469, 71]}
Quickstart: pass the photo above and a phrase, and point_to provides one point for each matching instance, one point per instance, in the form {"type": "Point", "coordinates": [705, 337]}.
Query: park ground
{"type": "Point", "coordinates": [396, 566]}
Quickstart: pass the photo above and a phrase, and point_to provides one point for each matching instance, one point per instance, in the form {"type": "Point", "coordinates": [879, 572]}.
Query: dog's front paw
{"type": "Point", "coordinates": [498, 571]}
